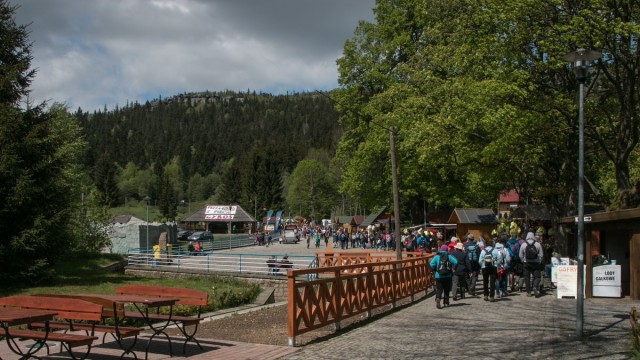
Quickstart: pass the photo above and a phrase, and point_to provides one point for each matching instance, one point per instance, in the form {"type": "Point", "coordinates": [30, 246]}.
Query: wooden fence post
{"type": "Point", "coordinates": [369, 294]}
{"type": "Point", "coordinates": [337, 296]}
{"type": "Point", "coordinates": [291, 308]}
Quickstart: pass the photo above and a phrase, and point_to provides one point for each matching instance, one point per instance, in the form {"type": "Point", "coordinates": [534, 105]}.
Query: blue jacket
{"type": "Point", "coordinates": [436, 261]}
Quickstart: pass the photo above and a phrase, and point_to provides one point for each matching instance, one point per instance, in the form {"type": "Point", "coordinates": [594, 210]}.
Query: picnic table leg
{"type": "Point", "coordinates": [189, 337]}
{"type": "Point", "coordinates": [15, 347]}
{"type": "Point", "coordinates": [119, 338]}
{"type": "Point", "coordinates": [156, 330]}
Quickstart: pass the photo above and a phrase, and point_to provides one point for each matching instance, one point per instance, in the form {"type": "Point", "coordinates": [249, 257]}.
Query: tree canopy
{"type": "Point", "coordinates": [483, 101]}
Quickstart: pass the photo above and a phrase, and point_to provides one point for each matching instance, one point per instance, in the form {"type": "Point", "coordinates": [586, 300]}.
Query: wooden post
{"type": "Point", "coordinates": [369, 295]}
{"type": "Point", "coordinates": [337, 300]}
{"type": "Point", "coordinates": [291, 308]}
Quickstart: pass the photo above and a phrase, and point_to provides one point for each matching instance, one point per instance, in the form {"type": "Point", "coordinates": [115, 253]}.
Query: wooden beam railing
{"type": "Point", "coordinates": [328, 259]}
{"type": "Point", "coordinates": [340, 292]}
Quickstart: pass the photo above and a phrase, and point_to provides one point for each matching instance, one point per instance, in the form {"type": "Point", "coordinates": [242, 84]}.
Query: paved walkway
{"type": "Point", "coordinates": [512, 327]}
{"type": "Point", "coordinates": [159, 350]}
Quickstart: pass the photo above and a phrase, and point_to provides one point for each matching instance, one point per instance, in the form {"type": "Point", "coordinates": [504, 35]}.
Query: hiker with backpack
{"type": "Point", "coordinates": [531, 256]}
{"type": "Point", "coordinates": [487, 262]}
{"type": "Point", "coordinates": [518, 267]}
{"type": "Point", "coordinates": [473, 254]}
{"type": "Point", "coordinates": [462, 269]}
{"type": "Point", "coordinates": [443, 265]}
{"type": "Point", "coordinates": [503, 261]}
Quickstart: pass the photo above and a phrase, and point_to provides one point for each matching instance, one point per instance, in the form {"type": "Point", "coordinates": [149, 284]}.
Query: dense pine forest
{"type": "Point", "coordinates": [224, 146]}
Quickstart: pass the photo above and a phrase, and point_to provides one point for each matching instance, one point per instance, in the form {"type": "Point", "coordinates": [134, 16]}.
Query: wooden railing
{"type": "Point", "coordinates": [340, 292]}
{"type": "Point", "coordinates": [328, 259]}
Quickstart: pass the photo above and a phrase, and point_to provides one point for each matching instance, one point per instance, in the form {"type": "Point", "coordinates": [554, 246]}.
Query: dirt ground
{"type": "Point", "coordinates": [269, 326]}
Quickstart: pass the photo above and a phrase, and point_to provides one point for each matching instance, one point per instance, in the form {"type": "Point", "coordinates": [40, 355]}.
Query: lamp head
{"type": "Point", "coordinates": [581, 60]}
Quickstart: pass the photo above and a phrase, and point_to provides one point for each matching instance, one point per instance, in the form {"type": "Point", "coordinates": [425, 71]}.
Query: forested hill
{"type": "Point", "coordinates": [203, 130]}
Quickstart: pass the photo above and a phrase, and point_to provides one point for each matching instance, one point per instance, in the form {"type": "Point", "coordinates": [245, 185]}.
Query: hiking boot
{"type": "Point", "coordinates": [438, 305]}
{"type": "Point", "coordinates": [455, 298]}
{"type": "Point", "coordinates": [486, 298]}
{"type": "Point", "coordinates": [536, 292]}
{"type": "Point", "coordinates": [492, 300]}
{"type": "Point", "coordinates": [528, 294]}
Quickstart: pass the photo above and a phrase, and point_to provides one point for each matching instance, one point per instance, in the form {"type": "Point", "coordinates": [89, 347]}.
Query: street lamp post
{"type": "Point", "coordinates": [581, 59]}
{"type": "Point", "coordinates": [147, 199]}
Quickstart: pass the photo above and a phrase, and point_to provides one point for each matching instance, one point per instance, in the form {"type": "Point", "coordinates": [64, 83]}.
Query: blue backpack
{"type": "Point", "coordinates": [512, 258]}
{"type": "Point", "coordinates": [472, 253]}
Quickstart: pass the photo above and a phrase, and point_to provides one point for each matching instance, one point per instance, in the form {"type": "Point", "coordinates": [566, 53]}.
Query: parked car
{"type": "Point", "coordinates": [184, 234]}
{"type": "Point", "coordinates": [201, 235]}
{"type": "Point", "coordinates": [291, 235]}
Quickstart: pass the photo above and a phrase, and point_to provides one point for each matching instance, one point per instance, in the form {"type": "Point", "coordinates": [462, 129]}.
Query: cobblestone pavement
{"type": "Point", "coordinates": [513, 327]}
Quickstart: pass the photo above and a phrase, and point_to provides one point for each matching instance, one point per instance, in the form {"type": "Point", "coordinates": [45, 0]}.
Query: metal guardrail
{"type": "Point", "coordinates": [212, 261]}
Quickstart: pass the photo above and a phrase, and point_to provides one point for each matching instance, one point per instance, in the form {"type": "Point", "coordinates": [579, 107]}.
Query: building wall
{"type": "Point", "coordinates": [615, 239]}
{"type": "Point", "coordinates": [133, 236]}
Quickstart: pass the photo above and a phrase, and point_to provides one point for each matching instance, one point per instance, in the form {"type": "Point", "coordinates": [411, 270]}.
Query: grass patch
{"type": "Point", "coordinates": [86, 275]}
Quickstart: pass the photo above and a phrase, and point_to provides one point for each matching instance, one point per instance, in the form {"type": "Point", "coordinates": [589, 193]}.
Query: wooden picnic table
{"type": "Point", "coordinates": [17, 316]}
{"type": "Point", "coordinates": [142, 304]}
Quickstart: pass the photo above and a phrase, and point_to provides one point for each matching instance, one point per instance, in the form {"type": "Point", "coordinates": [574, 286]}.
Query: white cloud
{"type": "Point", "coordinates": [105, 52]}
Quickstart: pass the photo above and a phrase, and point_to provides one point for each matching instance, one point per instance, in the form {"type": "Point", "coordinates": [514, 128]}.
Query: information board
{"type": "Point", "coordinates": [567, 276]}
{"type": "Point", "coordinates": [607, 281]}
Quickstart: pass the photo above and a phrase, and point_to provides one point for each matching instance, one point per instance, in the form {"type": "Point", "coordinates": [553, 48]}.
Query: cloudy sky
{"type": "Point", "coordinates": [106, 52]}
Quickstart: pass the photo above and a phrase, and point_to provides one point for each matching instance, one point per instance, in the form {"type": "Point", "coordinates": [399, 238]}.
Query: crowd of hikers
{"type": "Point", "coordinates": [505, 264]}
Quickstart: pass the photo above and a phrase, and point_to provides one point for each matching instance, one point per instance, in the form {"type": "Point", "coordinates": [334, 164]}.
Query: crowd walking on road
{"type": "Point", "coordinates": [500, 261]}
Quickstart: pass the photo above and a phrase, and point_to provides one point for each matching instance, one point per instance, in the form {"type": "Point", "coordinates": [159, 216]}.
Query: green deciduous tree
{"type": "Point", "coordinates": [311, 190]}
{"type": "Point", "coordinates": [483, 101]}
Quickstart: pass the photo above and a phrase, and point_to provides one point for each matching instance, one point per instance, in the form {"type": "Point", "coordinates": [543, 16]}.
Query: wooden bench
{"type": "Point", "coordinates": [68, 319]}
{"type": "Point", "coordinates": [184, 296]}
{"type": "Point", "coordinates": [65, 308]}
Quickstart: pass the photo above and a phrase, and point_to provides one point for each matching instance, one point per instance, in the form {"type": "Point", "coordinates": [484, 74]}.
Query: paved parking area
{"type": "Point", "coordinates": [298, 249]}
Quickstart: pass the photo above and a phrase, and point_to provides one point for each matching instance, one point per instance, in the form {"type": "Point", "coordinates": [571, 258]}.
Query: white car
{"type": "Point", "coordinates": [290, 237]}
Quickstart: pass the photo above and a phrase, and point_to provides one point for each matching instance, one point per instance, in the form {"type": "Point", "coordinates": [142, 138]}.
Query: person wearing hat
{"type": "Point", "coordinates": [443, 266]}
{"type": "Point", "coordinates": [463, 268]}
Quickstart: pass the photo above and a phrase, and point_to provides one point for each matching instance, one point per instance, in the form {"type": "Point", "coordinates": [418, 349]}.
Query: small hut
{"type": "Point", "coordinates": [478, 222]}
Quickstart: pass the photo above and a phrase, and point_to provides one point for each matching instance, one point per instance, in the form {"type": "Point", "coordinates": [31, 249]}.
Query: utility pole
{"type": "Point", "coordinates": [396, 193]}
